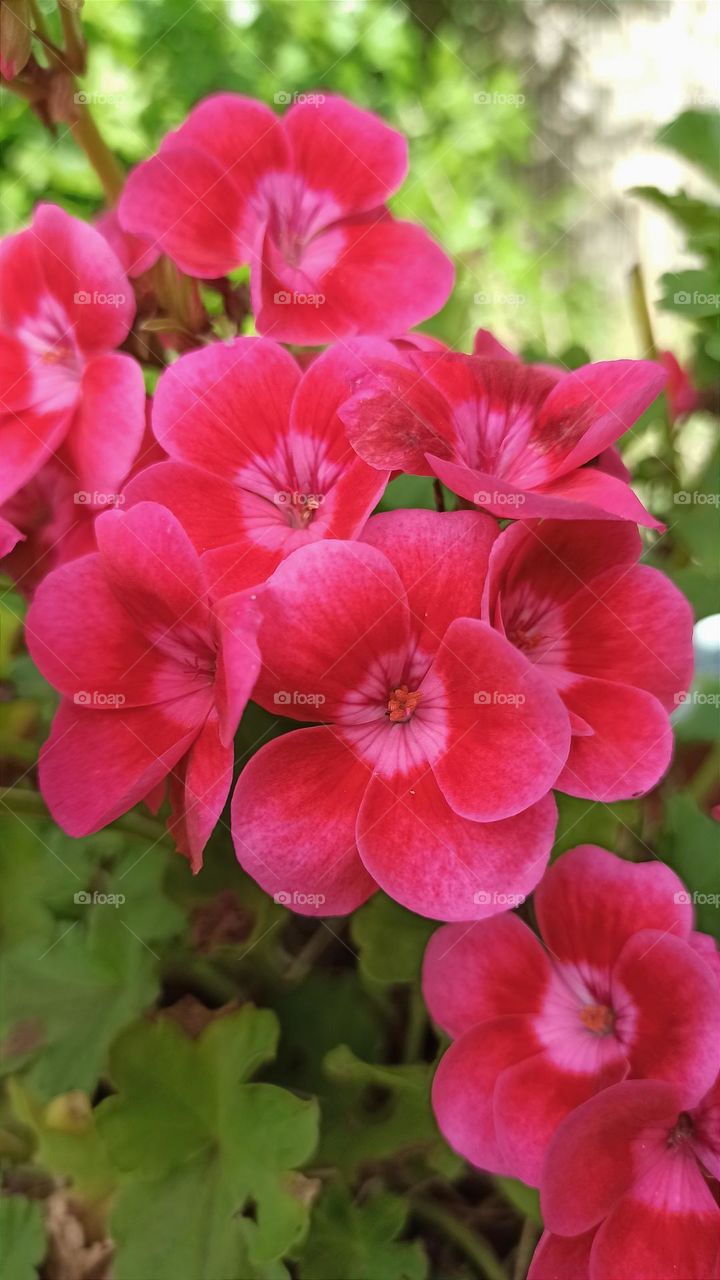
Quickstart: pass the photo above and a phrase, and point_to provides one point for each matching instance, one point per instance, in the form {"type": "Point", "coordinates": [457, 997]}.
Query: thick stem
{"type": "Point", "coordinates": [86, 134]}
{"type": "Point", "coordinates": [75, 47]}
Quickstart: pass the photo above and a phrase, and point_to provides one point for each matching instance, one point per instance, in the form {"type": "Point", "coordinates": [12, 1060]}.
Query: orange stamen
{"type": "Point", "coordinates": [402, 703]}
{"type": "Point", "coordinates": [598, 1018]}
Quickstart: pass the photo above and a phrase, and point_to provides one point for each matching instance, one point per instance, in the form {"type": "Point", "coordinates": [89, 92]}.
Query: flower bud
{"type": "Point", "coordinates": [15, 37]}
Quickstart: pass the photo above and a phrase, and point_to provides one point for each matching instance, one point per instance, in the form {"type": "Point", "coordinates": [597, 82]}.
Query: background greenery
{"type": "Point", "coordinates": [224, 1090]}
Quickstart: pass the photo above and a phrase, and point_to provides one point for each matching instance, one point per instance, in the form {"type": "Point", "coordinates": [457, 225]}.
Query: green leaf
{"type": "Point", "coordinates": [695, 135]}
{"type": "Point", "coordinates": [696, 216]}
{"type": "Point", "coordinates": [689, 844]}
{"type": "Point", "coordinates": [380, 1113]}
{"type": "Point", "coordinates": [691, 293]}
{"type": "Point", "coordinates": [587, 821]}
{"type": "Point", "coordinates": [64, 1005]}
{"type": "Point", "coordinates": [22, 1238]}
{"type": "Point", "coordinates": [391, 941]}
{"type": "Point", "coordinates": [696, 517]}
{"type": "Point", "coordinates": [364, 1237]}
{"type": "Point", "coordinates": [202, 1147]}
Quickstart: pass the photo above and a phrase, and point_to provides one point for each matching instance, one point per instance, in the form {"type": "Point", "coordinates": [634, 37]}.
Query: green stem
{"type": "Point", "coordinates": [707, 776]}
{"type": "Point", "coordinates": [650, 352]}
{"type": "Point", "coordinates": [474, 1247]}
{"type": "Point", "coordinates": [525, 1249]}
{"type": "Point", "coordinates": [86, 134]}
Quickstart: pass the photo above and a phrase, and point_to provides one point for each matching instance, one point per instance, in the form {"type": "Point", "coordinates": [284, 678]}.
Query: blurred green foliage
{"type": "Point", "coordinates": [459, 101]}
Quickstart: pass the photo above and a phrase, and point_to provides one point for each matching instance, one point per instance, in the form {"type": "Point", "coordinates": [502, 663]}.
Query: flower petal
{"type": "Point", "coordinates": [510, 728]}
{"type": "Point", "coordinates": [183, 202]}
{"type": "Point", "coordinates": [335, 623]}
{"type": "Point", "coordinates": [200, 792]}
{"type": "Point", "coordinates": [225, 406]}
{"type": "Point", "coordinates": [488, 969]}
{"type": "Point", "coordinates": [464, 1085]}
{"type": "Point", "coordinates": [151, 566]}
{"type": "Point", "coordinates": [293, 821]}
{"type": "Point", "coordinates": [562, 1257]}
{"type": "Point", "coordinates": [601, 1149]}
{"type": "Point", "coordinates": [97, 764]}
{"type": "Point", "coordinates": [672, 1011]}
{"type": "Point", "coordinates": [441, 559]}
{"type": "Point", "coordinates": [441, 865]}
{"type": "Point", "coordinates": [591, 902]}
{"type": "Point", "coordinates": [108, 429]}
{"type": "Point", "coordinates": [630, 746]}
{"type": "Point", "coordinates": [347, 154]}
{"type": "Point", "coordinates": [86, 644]}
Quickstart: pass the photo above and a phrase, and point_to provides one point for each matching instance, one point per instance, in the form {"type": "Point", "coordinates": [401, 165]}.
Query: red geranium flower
{"type": "Point", "coordinates": [303, 201]}
{"type": "Point", "coordinates": [612, 636]}
{"type": "Point", "coordinates": [259, 461]}
{"type": "Point", "coordinates": [65, 304]}
{"type": "Point", "coordinates": [154, 681]}
{"type": "Point", "coordinates": [429, 775]}
{"type": "Point", "coordinates": [513, 438]}
{"type": "Point", "coordinates": [630, 1189]}
{"type": "Point", "coordinates": [613, 988]}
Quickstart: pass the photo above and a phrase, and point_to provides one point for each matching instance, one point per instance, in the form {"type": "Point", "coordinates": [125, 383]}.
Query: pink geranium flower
{"type": "Point", "coordinates": [65, 304]}
{"type": "Point", "coordinates": [303, 201]}
{"type": "Point", "coordinates": [259, 461]}
{"type": "Point", "coordinates": [429, 774]}
{"type": "Point", "coordinates": [630, 1187]}
{"type": "Point", "coordinates": [612, 636]}
{"type": "Point", "coordinates": [613, 988]}
{"type": "Point", "coordinates": [515, 439]}
{"type": "Point", "coordinates": [153, 680]}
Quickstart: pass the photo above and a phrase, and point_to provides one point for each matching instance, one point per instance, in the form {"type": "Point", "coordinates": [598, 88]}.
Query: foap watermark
{"type": "Point", "coordinates": [694, 298]}
{"type": "Point", "coordinates": [697, 899]}
{"type": "Point", "coordinates": [483, 497]}
{"type": "Point", "coordinates": [284, 98]}
{"type": "Point", "coordinates": [496, 698]}
{"type": "Point", "coordinates": [97, 298]}
{"type": "Point", "coordinates": [85, 899]}
{"type": "Point", "coordinates": [96, 698]}
{"type": "Point", "coordinates": [292, 498]}
{"type": "Point", "coordinates": [84, 99]}
{"type": "Point", "coordinates": [297, 698]}
{"type": "Point", "coordinates": [485, 898]}
{"type": "Point", "coordinates": [696, 698]}
{"type": "Point", "coordinates": [85, 498]}
{"type": "Point", "coordinates": [285, 298]}
{"type": "Point", "coordinates": [486, 98]}
{"type": "Point", "coordinates": [296, 899]}
{"type": "Point", "coordinates": [499, 299]}
{"type": "Point", "coordinates": [695, 497]}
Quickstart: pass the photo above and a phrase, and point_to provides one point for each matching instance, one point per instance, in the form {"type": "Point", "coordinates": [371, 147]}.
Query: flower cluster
{"type": "Point", "coordinates": [449, 670]}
